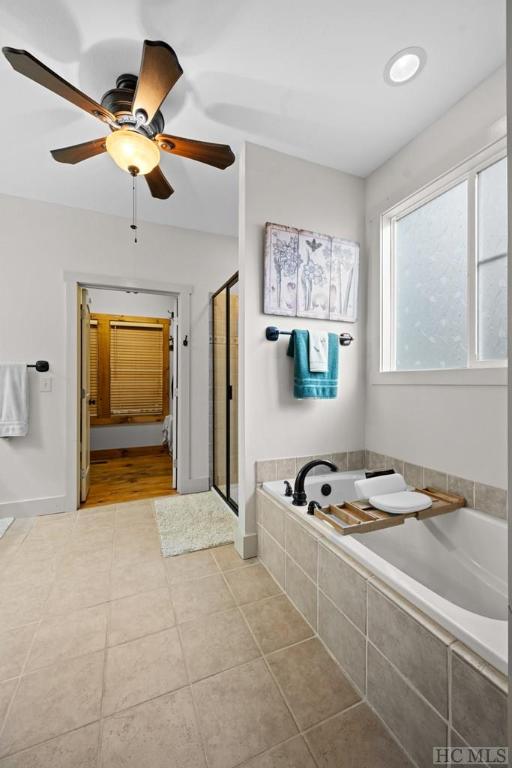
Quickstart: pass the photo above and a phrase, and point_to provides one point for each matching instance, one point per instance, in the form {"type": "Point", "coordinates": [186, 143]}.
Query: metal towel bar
{"type": "Point", "coordinates": [272, 334]}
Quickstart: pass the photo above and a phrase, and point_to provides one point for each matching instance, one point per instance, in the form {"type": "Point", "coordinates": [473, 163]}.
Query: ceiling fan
{"type": "Point", "coordinates": [132, 111]}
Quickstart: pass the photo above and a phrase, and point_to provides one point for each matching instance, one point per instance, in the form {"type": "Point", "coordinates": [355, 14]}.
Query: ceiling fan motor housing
{"type": "Point", "coordinates": [119, 101]}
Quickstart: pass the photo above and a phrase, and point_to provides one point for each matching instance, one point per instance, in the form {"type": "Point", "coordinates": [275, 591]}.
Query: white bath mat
{"type": "Point", "coordinates": [192, 522]}
{"type": "Point", "coordinates": [5, 522]}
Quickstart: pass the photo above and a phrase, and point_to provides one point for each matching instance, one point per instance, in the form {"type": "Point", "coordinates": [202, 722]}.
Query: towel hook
{"type": "Point", "coordinates": [41, 366]}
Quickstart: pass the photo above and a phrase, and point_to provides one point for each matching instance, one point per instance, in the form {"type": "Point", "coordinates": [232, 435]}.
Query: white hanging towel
{"type": "Point", "coordinates": [318, 351]}
{"type": "Point", "coordinates": [13, 400]}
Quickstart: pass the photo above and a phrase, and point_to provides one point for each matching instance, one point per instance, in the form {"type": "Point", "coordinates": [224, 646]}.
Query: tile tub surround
{"type": "Point", "coordinates": [427, 688]}
{"type": "Point", "coordinates": [485, 498]}
{"type": "Point", "coordinates": [284, 469]}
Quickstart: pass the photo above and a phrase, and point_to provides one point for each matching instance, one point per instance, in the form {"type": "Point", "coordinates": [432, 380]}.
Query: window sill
{"type": "Point", "coordinates": [465, 377]}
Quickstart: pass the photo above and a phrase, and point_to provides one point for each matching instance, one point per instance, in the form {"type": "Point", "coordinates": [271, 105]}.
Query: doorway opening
{"type": "Point", "coordinates": [225, 309]}
{"type": "Point", "coordinates": [127, 395]}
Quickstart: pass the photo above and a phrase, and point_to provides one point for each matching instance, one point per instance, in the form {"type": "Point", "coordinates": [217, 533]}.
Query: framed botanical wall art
{"type": "Point", "coordinates": [344, 282]}
{"type": "Point", "coordinates": [281, 267]}
{"type": "Point", "coordinates": [314, 275]}
{"type": "Point", "coordinates": [308, 274]}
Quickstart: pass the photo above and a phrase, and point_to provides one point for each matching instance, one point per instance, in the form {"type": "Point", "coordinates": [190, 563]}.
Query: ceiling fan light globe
{"type": "Point", "coordinates": [129, 149]}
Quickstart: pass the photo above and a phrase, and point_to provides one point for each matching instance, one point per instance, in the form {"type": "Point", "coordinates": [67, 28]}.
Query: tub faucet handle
{"type": "Point", "coordinates": [312, 506]}
{"type": "Point", "coordinates": [288, 490]}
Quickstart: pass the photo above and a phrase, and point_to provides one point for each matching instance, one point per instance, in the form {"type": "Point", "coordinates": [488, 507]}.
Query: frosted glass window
{"type": "Point", "coordinates": [492, 262]}
{"type": "Point", "coordinates": [431, 284]}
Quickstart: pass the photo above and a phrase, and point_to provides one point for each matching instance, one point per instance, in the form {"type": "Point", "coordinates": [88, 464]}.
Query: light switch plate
{"type": "Point", "coordinates": [45, 384]}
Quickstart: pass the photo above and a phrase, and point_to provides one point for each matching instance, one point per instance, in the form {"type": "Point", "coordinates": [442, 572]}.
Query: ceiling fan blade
{"type": "Point", "coordinates": [158, 184]}
{"type": "Point", "coordinates": [26, 64]}
{"type": "Point", "coordinates": [218, 155]}
{"type": "Point", "coordinates": [79, 152]}
{"type": "Point", "coordinates": [159, 71]}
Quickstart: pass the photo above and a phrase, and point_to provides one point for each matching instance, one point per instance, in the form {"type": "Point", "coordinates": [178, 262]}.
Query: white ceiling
{"type": "Point", "coordinates": [298, 76]}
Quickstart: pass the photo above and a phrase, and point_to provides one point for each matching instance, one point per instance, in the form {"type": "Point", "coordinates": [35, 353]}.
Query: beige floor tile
{"type": "Point", "coordinates": [88, 536]}
{"type": "Point", "coordinates": [45, 522]}
{"type": "Point", "coordinates": [136, 536]}
{"type": "Point", "coordinates": [14, 645]}
{"type": "Point", "coordinates": [217, 642]}
{"type": "Point", "coordinates": [293, 754]}
{"type": "Point", "coordinates": [139, 615]}
{"type": "Point", "coordinates": [37, 548]}
{"type": "Point", "coordinates": [140, 513]}
{"type": "Point", "coordinates": [10, 545]}
{"type": "Point", "coordinates": [157, 734]}
{"type": "Point", "coordinates": [100, 516]}
{"type": "Point", "coordinates": [190, 566]}
{"type": "Point", "coordinates": [312, 682]}
{"type": "Point", "coordinates": [276, 623]}
{"type": "Point", "coordinates": [252, 584]}
{"type": "Point", "coordinates": [76, 562]}
{"type": "Point", "coordinates": [142, 669]}
{"type": "Point", "coordinates": [227, 558]}
{"type": "Point", "coordinates": [355, 739]}
{"type": "Point", "coordinates": [78, 749]}
{"type": "Point", "coordinates": [128, 554]}
{"type": "Point", "coordinates": [22, 603]}
{"type": "Point", "coordinates": [68, 635]}
{"type": "Point", "coordinates": [29, 569]}
{"type": "Point", "coordinates": [7, 689]}
{"type": "Point", "coordinates": [137, 577]}
{"type": "Point", "coordinates": [199, 597]}
{"type": "Point", "coordinates": [241, 713]}
{"type": "Point", "coordinates": [80, 590]}
{"type": "Point", "coordinates": [58, 534]}
{"type": "Point", "coordinates": [19, 526]}
{"type": "Point", "coordinates": [54, 700]}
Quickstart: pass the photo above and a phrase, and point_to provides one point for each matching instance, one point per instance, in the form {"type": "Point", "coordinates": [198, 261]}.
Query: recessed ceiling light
{"type": "Point", "coordinates": [405, 65]}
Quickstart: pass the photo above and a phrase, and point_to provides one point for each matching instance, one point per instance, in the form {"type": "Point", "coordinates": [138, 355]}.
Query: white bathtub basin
{"type": "Point", "coordinates": [453, 567]}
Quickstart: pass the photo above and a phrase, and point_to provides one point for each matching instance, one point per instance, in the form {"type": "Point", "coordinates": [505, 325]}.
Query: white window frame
{"type": "Point", "coordinates": [467, 171]}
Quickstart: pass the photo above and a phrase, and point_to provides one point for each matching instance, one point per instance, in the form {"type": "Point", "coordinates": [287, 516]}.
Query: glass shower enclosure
{"type": "Point", "coordinates": [225, 391]}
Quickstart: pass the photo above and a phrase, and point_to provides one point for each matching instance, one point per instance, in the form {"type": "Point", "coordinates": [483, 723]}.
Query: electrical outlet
{"type": "Point", "coordinates": [45, 384]}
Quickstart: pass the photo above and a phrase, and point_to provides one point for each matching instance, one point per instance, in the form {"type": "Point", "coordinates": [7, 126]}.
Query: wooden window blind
{"type": "Point", "coordinates": [93, 369]}
{"type": "Point", "coordinates": [132, 369]}
{"type": "Point", "coordinates": [136, 385]}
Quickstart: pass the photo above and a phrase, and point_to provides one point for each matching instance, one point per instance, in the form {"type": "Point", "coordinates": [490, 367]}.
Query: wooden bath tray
{"type": "Point", "coordinates": [360, 517]}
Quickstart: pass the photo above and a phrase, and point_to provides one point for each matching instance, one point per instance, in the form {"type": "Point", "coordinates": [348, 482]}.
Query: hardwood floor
{"type": "Point", "coordinates": [129, 478]}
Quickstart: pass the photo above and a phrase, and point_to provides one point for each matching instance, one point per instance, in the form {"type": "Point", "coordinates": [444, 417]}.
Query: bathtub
{"type": "Point", "coordinates": [452, 567]}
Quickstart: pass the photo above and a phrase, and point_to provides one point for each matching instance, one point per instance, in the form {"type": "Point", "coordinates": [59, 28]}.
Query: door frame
{"type": "Point", "coordinates": [75, 280]}
{"type": "Point", "coordinates": [226, 497]}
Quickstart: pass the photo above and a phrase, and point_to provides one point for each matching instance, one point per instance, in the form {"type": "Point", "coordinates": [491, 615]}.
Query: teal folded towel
{"type": "Point", "coordinates": [323, 386]}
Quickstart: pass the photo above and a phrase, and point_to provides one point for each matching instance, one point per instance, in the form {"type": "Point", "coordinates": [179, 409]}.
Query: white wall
{"type": "Point", "coordinates": [124, 303]}
{"type": "Point", "coordinates": [285, 190]}
{"type": "Point", "coordinates": [135, 304]}
{"type": "Point", "coordinates": [38, 242]}
{"type": "Point", "coordinates": [457, 429]}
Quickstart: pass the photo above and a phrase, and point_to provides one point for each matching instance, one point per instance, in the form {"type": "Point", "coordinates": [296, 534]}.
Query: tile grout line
{"type": "Point", "coordinates": [99, 752]}
{"type": "Point", "coordinates": [365, 694]}
{"type": "Point", "coordinates": [31, 645]}
{"type": "Point", "coordinates": [273, 677]}
{"type": "Point", "coordinates": [239, 608]}
{"type": "Point", "coordinates": [191, 692]}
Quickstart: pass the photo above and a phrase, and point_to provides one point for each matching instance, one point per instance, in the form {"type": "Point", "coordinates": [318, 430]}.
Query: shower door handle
{"type": "Point", "coordinates": [230, 392]}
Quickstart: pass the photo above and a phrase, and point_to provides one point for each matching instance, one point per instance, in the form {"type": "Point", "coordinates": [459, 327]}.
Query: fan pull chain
{"type": "Point", "coordinates": [133, 225]}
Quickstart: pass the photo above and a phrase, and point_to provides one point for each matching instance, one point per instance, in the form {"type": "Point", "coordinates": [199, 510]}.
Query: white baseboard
{"type": "Point", "coordinates": [246, 544]}
{"type": "Point", "coordinates": [32, 507]}
{"type": "Point", "coordinates": [195, 485]}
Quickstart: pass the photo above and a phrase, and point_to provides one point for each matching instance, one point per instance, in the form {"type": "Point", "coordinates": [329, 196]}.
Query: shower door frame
{"type": "Point", "coordinates": [233, 280]}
